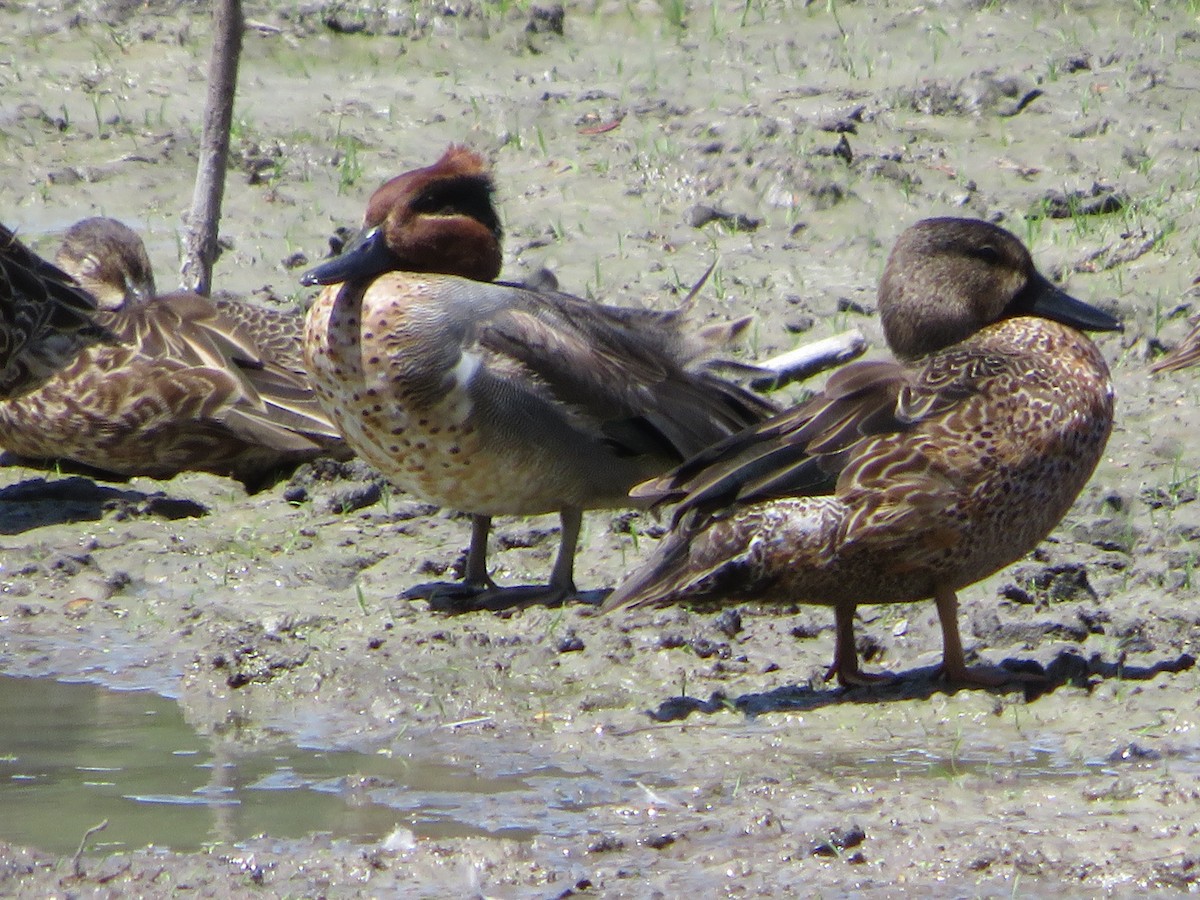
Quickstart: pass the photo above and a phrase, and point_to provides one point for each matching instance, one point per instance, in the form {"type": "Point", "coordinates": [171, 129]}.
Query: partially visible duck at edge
{"type": "Point", "coordinates": [44, 318]}
{"type": "Point", "coordinates": [181, 383]}
{"type": "Point", "coordinates": [1186, 353]}
{"type": "Point", "coordinates": [497, 399]}
{"type": "Point", "coordinates": [902, 481]}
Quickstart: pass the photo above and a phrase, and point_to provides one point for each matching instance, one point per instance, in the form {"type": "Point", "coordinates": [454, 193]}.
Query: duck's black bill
{"type": "Point", "coordinates": [363, 257]}
{"type": "Point", "coordinates": [1060, 306]}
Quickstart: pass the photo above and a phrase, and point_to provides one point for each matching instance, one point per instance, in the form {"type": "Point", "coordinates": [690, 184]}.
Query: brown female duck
{"type": "Point", "coordinates": [44, 318]}
{"type": "Point", "coordinates": [496, 399]}
{"type": "Point", "coordinates": [180, 383]}
{"type": "Point", "coordinates": [108, 259]}
{"type": "Point", "coordinates": [902, 481]}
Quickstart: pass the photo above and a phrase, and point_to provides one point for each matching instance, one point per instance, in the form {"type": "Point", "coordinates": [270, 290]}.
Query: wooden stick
{"type": "Point", "coordinates": [200, 245]}
{"type": "Point", "coordinates": [808, 360]}
{"type": "Point", "coordinates": [77, 859]}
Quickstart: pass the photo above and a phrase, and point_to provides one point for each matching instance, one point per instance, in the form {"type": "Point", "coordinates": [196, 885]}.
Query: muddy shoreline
{"type": "Point", "coordinates": [699, 753]}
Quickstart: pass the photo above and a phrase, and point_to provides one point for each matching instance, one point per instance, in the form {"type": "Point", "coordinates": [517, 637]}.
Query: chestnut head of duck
{"type": "Point", "coordinates": [948, 278]}
{"type": "Point", "coordinates": [436, 219]}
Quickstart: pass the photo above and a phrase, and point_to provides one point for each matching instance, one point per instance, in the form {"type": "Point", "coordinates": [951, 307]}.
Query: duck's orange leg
{"type": "Point", "coordinates": [845, 656]}
{"type": "Point", "coordinates": [954, 664]}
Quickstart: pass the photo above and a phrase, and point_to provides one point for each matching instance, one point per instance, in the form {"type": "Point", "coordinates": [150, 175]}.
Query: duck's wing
{"type": "Point", "coordinates": [44, 317]}
{"type": "Point", "coordinates": [673, 332]}
{"type": "Point", "coordinates": [278, 334]}
{"type": "Point", "coordinates": [615, 373]}
{"type": "Point", "coordinates": [822, 444]}
{"type": "Point", "coordinates": [187, 336]}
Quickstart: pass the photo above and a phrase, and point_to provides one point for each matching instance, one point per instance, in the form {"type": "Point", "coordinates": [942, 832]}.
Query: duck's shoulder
{"type": "Point", "coordinates": [182, 329]}
{"type": "Point", "coordinates": [540, 328]}
{"type": "Point", "coordinates": [277, 333]}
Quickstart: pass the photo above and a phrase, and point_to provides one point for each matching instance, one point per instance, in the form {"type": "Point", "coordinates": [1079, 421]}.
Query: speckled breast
{"type": "Point", "coordinates": [394, 380]}
{"type": "Point", "coordinates": [1050, 418]}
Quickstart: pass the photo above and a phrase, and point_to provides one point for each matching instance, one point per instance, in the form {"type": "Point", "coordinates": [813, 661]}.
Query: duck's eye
{"type": "Point", "coordinates": [435, 205]}
{"type": "Point", "coordinates": [988, 254]}
{"type": "Point", "coordinates": [425, 203]}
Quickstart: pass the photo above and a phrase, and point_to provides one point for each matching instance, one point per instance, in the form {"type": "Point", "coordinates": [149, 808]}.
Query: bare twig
{"type": "Point", "coordinates": [200, 246]}
{"type": "Point", "coordinates": [113, 876]}
{"type": "Point", "coordinates": [478, 720]}
{"type": "Point", "coordinates": [77, 859]}
{"type": "Point", "coordinates": [809, 360]}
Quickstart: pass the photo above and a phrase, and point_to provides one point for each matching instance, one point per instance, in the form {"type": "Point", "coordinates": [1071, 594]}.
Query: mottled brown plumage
{"type": "Point", "coordinates": [44, 318]}
{"type": "Point", "coordinates": [108, 260]}
{"type": "Point", "coordinates": [902, 481]}
{"type": "Point", "coordinates": [496, 399]}
{"type": "Point", "coordinates": [180, 383]}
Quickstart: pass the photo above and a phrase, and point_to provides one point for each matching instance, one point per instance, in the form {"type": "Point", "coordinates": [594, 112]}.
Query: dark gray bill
{"type": "Point", "coordinates": [363, 257]}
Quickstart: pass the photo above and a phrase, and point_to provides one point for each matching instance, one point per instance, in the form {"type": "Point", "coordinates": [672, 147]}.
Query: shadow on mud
{"type": "Point", "coordinates": [44, 501]}
{"type": "Point", "coordinates": [454, 599]}
{"type": "Point", "coordinates": [921, 684]}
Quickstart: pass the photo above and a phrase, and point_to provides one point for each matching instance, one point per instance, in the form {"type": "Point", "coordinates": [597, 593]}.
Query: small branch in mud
{"type": "Point", "coordinates": [1129, 248]}
{"type": "Point", "coordinates": [113, 876]}
{"type": "Point", "coordinates": [462, 723]}
{"type": "Point", "coordinates": [809, 360]}
{"type": "Point", "coordinates": [1028, 98]}
{"type": "Point", "coordinates": [1100, 200]}
{"type": "Point", "coordinates": [77, 859]}
{"type": "Point", "coordinates": [200, 250]}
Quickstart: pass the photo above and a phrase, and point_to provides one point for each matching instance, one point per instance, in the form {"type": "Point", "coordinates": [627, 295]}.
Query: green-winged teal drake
{"type": "Point", "coordinates": [180, 382]}
{"type": "Point", "coordinates": [496, 399]}
{"type": "Point", "coordinates": [902, 481]}
{"type": "Point", "coordinates": [44, 318]}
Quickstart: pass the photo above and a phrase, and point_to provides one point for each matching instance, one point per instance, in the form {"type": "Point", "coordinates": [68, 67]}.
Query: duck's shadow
{"type": "Point", "coordinates": [37, 502]}
{"type": "Point", "coordinates": [456, 599]}
{"type": "Point", "coordinates": [921, 684]}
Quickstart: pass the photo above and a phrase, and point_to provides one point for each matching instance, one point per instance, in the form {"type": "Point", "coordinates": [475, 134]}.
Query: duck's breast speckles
{"type": "Point", "coordinates": [1020, 450]}
{"type": "Point", "coordinates": [397, 380]}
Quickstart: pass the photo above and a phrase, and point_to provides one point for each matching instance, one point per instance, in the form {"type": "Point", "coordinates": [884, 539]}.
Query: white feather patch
{"type": "Point", "coordinates": [466, 367]}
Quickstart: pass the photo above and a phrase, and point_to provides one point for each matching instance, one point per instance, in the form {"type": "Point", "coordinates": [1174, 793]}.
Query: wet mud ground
{"type": "Point", "coordinates": [792, 142]}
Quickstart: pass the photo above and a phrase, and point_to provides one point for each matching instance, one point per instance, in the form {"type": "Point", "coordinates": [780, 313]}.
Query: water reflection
{"type": "Point", "coordinates": [72, 755]}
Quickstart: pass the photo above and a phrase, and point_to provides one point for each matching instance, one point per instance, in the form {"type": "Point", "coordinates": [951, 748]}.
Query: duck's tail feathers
{"type": "Point", "coordinates": [690, 566]}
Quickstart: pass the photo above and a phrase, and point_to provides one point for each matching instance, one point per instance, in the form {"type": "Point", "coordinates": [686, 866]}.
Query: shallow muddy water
{"type": "Point", "coordinates": [73, 755]}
